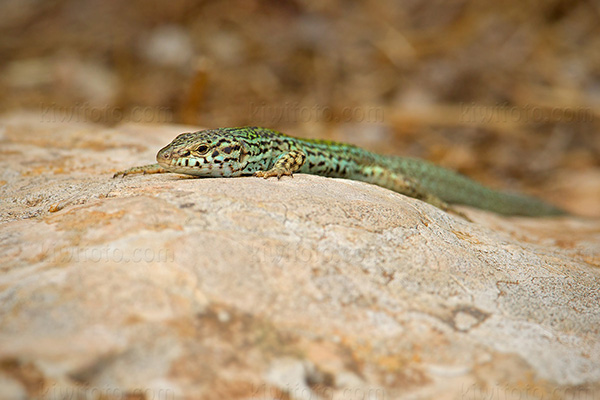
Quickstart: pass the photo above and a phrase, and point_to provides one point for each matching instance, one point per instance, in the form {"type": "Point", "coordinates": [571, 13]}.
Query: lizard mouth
{"type": "Point", "coordinates": [170, 160]}
{"type": "Point", "coordinates": [175, 162]}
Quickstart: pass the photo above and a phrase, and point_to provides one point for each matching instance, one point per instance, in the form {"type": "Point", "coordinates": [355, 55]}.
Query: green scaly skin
{"type": "Point", "coordinates": [231, 152]}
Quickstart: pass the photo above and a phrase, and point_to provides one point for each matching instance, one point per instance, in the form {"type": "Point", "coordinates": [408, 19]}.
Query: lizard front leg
{"type": "Point", "coordinates": [145, 169]}
{"type": "Point", "coordinates": [287, 164]}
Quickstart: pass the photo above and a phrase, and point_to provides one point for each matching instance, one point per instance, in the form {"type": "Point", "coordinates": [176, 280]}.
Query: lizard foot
{"type": "Point", "coordinates": [275, 171]}
{"type": "Point", "coordinates": [145, 169]}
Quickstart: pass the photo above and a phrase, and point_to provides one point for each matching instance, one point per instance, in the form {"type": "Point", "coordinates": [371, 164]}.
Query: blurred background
{"type": "Point", "coordinates": [506, 92]}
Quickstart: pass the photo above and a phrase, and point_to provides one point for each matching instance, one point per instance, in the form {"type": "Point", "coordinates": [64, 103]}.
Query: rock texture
{"type": "Point", "coordinates": [165, 287]}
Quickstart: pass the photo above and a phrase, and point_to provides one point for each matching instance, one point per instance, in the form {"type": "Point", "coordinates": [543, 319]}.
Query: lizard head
{"type": "Point", "coordinates": [203, 153]}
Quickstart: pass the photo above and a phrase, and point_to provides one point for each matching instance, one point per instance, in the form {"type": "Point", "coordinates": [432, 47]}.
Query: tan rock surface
{"type": "Point", "coordinates": [168, 287]}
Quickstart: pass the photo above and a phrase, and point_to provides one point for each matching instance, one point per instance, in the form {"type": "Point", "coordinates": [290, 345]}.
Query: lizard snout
{"type": "Point", "coordinates": [164, 156]}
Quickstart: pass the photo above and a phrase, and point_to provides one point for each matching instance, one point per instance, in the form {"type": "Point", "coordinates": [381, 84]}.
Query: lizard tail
{"type": "Point", "coordinates": [516, 204]}
{"type": "Point", "coordinates": [455, 188]}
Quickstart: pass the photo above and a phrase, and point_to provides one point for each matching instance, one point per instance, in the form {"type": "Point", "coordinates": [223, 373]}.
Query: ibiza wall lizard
{"type": "Point", "coordinates": [232, 152]}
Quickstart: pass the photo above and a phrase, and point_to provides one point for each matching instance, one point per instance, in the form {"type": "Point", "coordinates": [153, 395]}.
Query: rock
{"type": "Point", "coordinates": [290, 376]}
{"type": "Point", "coordinates": [162, 286]}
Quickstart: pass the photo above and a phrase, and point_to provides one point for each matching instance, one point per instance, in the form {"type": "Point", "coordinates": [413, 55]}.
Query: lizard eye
{"type": "Point", "coordinates": [201, 149]}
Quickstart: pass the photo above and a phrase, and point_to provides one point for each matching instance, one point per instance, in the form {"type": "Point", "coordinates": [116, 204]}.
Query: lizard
{"type": "Point", "coordinates": [262, 152]}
